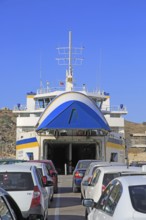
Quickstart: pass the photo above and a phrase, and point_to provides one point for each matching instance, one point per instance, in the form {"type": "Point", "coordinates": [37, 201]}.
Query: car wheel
{"type": "Point", "coordinates": [51, 198]}
{"type": "Point", "coordinates": [56, 190]}
{"type": "Point", "coordinates": [86, 214]}
{"type": "Point", "coordinates": [81, 197]}
{"type": "Point", "coordinates": [49, 203]}
{"type": "Point", "coordinates": [75, 189]}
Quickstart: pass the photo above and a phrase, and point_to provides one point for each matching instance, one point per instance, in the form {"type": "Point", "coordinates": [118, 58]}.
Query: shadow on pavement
{"type": "Point", "coordinates": [66, 202]}
{"type": "Point", "coordinates": [64, 190]}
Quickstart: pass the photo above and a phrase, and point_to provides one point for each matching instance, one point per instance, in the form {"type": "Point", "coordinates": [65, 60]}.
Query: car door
{"type": "Point", "coordinates": [90, 191]}
{"type": "Point", "coordinates": [108, 202]}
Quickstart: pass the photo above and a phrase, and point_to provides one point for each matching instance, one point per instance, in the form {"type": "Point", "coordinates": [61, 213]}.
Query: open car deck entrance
{"type": "Point", "coordinates": [59, 153]}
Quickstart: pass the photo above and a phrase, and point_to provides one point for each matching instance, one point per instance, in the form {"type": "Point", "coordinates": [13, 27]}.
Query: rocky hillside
{"type": "Point", "coordinates": [8, 132]}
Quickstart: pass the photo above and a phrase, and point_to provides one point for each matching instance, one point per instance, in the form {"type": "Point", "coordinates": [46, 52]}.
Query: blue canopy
{"type": "Point", "coordinates": [74, 114]}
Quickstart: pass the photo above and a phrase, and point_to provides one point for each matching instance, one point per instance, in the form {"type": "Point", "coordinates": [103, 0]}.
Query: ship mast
{"type": "Point", "coordinates": [70, 61]}
{"type": "Point", "coordinates": [69, 72]}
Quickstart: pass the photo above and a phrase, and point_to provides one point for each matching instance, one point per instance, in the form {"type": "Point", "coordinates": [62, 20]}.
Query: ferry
{"type": "Point", "coordinates": [66, 124]}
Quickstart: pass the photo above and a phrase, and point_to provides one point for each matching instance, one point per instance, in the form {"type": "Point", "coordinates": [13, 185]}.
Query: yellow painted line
{"type": "Point", "coordinates": [30, 96]}
{"type": "Point", "coordinates": [117, 146]}
{"type": "Point", "coordinates": [29, 145]}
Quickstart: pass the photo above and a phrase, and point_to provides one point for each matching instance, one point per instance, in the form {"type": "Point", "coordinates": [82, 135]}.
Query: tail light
{"type": "Point", "coordinates": [78, 174]}
{"type": "Point", "coordinates": [44, 180]}
{"type": "Point", "coordinates": [103, 188]}
{"type": "Point", "coordinates": [36, 199]}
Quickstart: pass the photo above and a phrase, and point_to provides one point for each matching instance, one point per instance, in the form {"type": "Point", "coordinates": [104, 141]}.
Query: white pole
{"type": "Point", "coordinates": [65, 169]}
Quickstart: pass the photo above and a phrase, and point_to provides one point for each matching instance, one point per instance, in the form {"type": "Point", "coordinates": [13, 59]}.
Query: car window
{"type": "Point", "coordinates": [45, 170]}
{"type": "Point", "coordinates": [108, 177]}
{"type": "Point", "coordinates": [95, 177]}
{"type": "Point", "coordinates": [40, 170]}
{"type": "Point", "coordinates": [16, 181]}
{"type": "Point", "coordinates": [39, 175]}
{"type": "Point", "coordinates": [83, 164]}
{"type": "Point", "coordinates": [49, 167]}
{"type": "Point", "coordinates": [110, 198]}
{"type": "Point", "coordinates": [5, 213]}
{"type": "Point", "coordinates": [88, 170]}
{"type": "Point", "coordinates": [52, 166]}
{"type": "Point", "coordinates": [138, 197]}
{"type": "Point", "coordinates": [94, 168]}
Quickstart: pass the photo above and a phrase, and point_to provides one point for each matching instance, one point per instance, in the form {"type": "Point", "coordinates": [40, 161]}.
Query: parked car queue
{"type": "Point", "coordinates": [31, 187]}
{"type": "Point", "coordinates": [123, 198]}
{"type": "Point", "coordinates": [113, 191]}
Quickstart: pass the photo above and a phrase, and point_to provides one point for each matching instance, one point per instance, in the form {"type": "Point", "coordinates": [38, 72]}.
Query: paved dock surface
{"type": "Point", "coordinates": [66, 205]}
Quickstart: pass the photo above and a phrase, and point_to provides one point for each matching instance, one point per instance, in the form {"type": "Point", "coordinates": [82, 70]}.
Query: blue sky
{"type": "Point", "coordinates": [113, 33]}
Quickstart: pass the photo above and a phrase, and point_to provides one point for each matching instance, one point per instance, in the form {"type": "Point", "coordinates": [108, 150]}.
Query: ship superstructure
{"type": "Point", "coordinates": [28, 116]}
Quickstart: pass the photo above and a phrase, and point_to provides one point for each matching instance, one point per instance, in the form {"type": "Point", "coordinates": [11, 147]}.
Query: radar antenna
{"type": "Point", "coordinates": [71, 56]}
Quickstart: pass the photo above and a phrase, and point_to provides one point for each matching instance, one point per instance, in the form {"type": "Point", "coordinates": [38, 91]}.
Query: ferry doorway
{"type": "Point", "coordinates": [59, 153]}
{"type": "Point", "coordinates": [83, 151]}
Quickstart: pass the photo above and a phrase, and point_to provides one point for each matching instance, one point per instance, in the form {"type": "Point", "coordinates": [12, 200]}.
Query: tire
{"type": "Point", "coordinates": [51, 198]}
{"type": "Point", "coordinates": [86, 214]}
{"type": "Point", "coordinates": [56, 190]}
{"type": "Point", "coordinates": [81, 197]}
{"type": "Point", "coordinates": [49, 203]}
{"type": "Point", "coordinates": [74, 189]}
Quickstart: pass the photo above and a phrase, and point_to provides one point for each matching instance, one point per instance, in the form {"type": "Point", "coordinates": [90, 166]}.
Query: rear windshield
{"type": "Point", "coordinates": [50, 166]}
{"type": "Point", "coordinates": [15, 181]}
{"type": "Point", "coordinates": [138, 197]}
{"type": "Point", "coordinates": [83, 164]}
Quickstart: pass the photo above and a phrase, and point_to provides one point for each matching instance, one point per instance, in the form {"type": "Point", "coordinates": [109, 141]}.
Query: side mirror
{"type": "Point", "coordinates": [88, 203]}
{"type": "Point", "coordinates": [85, 183]}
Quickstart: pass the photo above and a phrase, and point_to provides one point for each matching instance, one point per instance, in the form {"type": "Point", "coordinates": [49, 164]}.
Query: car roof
{"type": "Point", "coordinates": [16, 167]}
{"type": "Point", "coordinates": [42, 161]}
{"type": "Point", "coordinates": [119, 168]}
{"type": "Point", "coordinates": [87, 160]}
{"type": "Point", "coordinates": [37, 164]}
{"type": "Point", "coordinates": [132, 180]}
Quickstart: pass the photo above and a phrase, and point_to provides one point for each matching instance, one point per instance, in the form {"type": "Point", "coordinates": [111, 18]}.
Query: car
{"type": "Point", "coordinates": [138, 163]}
{"type": "Point", "coordinates": [102, 176]}
{"type": "Point", "coordinates": [44, 173]}
{"type": "Point", "coordinates": [89, 172]}
{"type": "Point", "coordinates": [52, 172]}
{"type": "Point", "coordinates": [10, 161]}
{"type": "Point", "coordinates": [24, 184]}
{"type": "Point", "coordinates": [78, 174]}
{"type": "Point", "coordinates": [123, 198]}
{"type": "Point", "coordinates": [8, 207]}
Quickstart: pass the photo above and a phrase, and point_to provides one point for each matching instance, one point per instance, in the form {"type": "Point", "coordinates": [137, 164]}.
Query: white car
{"type": "Point", "coordinates": [44, 173]}
{"type": "Point", "coordinates": [101, 177]}
{"type": "Point", "coordinates": [24, 185]}
{"type": "Point", "coordinates": [8, 207]}
{"type": "Point", "coordinates": [124, 198]}
{"type": "Point", "coordinates": [89, 172]}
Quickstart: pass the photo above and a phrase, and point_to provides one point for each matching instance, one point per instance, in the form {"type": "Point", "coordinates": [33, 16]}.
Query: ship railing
{"type": "Point", "coordinates": [105, 108]}
{"type": "Point", "coordinates": [62, 88]}
{"type": "Point", "coordinates": [116, 108]}
{"type": "Point", "coordinates": [20, 108]}
{"type": "Point", "coordinates": [48, 90]}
